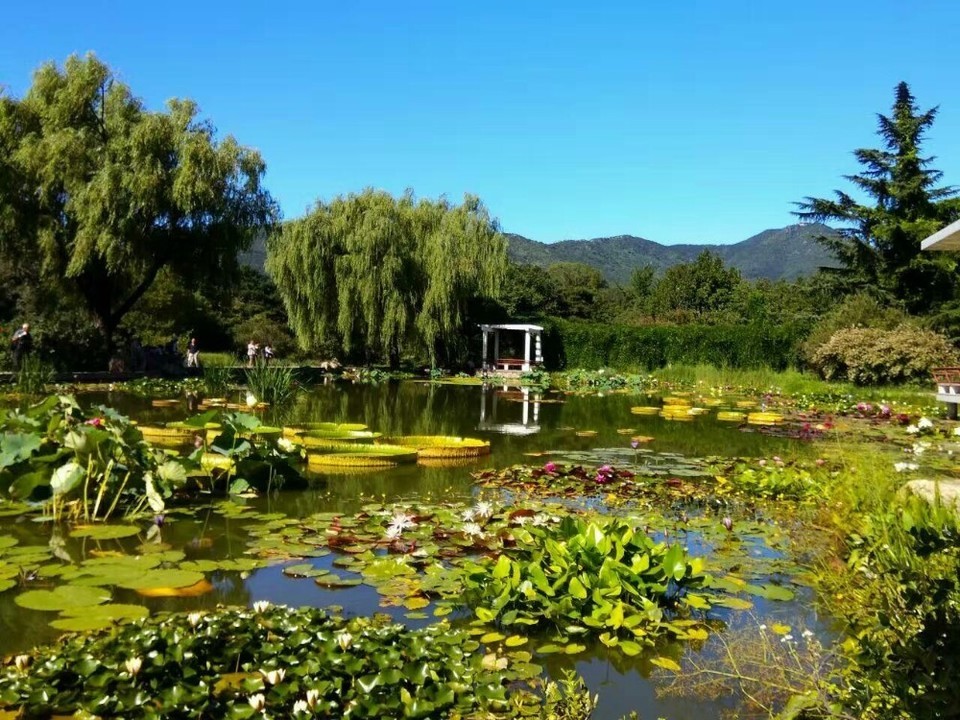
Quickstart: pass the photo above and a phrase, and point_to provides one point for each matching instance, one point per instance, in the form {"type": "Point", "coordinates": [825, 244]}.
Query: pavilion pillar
{"type": "Point", "coordinates": [538, 349]}
{"type": "Point", "coordinates": [526, 404]}
{"type": "Point", "coordinates": [496, 349]}
{"type": "Point", "coordinates": [526, 351]}
{"type": "Point", "coordinates": [483, 364]}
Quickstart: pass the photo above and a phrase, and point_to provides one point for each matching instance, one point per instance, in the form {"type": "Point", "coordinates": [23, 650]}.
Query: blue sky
{"type": "Point", "coordinates": [680, 122]}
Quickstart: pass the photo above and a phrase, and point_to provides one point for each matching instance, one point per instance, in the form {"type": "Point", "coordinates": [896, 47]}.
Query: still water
{"type": "Point", "coordinates": [517, 424]}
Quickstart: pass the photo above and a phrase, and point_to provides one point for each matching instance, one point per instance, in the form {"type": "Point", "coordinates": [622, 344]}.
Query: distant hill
{"type": "Point", "coordinates": [784, 253]}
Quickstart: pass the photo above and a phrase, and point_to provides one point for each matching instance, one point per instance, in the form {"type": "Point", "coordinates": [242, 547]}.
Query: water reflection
{"type": "Point", "coordinates": [529, 412]}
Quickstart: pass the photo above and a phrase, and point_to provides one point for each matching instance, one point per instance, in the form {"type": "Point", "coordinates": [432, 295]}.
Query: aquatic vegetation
{"type": "Point", "coordinates": [272, 383]}
{"type": "Point", "coordinates": [435, 447]}
{"type": "Point", "coordinates": [900, 594]}
{"type": "Point", "coordinates": [593, 577]}
{"type": "Point", "coordinates": [272, 659]}
{"type": "Point", "coordinates": [34, 375]}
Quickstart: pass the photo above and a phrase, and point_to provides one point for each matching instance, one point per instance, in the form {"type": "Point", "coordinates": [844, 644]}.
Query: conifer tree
{"type": "Point", "coordinates": [878, 244]}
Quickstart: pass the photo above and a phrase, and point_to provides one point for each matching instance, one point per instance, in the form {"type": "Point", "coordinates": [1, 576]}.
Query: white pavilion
{"type": "Point", "coordinates": [507, 366]}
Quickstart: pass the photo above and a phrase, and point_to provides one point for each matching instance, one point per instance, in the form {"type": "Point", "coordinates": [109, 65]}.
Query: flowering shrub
{"type": "Point", "coordinates": [868, 356]}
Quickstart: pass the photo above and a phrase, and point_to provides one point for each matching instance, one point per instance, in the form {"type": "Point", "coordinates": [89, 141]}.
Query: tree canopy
{"type": "Point", "coordinates": [102, 194]}
{"type": "Point", "coordinates": [879, 243]}
{"type": "Point", "coordinates": [383, 276]}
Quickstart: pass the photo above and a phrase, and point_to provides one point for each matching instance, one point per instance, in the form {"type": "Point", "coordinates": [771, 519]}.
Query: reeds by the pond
{"type": "Point", "coordinates": [271, 383]}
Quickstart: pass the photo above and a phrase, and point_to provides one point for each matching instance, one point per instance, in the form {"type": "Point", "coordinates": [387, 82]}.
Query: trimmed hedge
{"type": "Point", "coordinates": [588, 345]}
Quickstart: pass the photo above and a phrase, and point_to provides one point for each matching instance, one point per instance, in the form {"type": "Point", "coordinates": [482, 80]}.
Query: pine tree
{"type": "Point", "coordinates": [878, 245]}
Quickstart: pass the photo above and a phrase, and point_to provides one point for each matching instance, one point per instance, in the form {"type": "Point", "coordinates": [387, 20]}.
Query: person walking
{"type": "Point", "coordinates": [193, 354]}
{"type": "Point", "coordinates": [267, 353]}
{"type": "Point", "coordinates": [22, 344]}
{"type": "Point", "coordinates": [252, 349]}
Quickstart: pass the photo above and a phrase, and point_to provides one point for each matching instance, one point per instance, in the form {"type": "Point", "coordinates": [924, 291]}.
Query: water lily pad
{"type": "Point", "coordinates": [163, 579]}
{"type": "Point", "coordinates": [62, 598]}
{"type": "Point", "coordinates": [336, 581]}
{"type": "Point", "coordinates": [105, 532]}
{"type": "Point", "coordinates": [98, 616]}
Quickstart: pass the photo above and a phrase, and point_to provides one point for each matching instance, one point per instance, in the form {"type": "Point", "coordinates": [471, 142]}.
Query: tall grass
{"type": "Point", "coordinates": [34, 375]}
{"type": "Point", "coordinates": [219, 359]}
{"type": "Point", "coordinates": [217, 379]}
{"type": "Point", "coordinates": [272, 383]}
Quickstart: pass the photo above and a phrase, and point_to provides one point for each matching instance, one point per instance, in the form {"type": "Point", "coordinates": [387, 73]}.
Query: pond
{"type": "Point", "coordinates": [241, 545]}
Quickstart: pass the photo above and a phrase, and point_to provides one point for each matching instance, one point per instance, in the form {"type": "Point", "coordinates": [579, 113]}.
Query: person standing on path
{"type": "Point", "coordinates": [22, 344]}
{"type": "Point", "coordinates": [252, 349]}
{"type": "Point", "coordinates": [193, 354]}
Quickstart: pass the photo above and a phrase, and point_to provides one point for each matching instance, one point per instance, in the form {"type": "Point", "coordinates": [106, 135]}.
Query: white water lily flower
{"type": "Point", "coordinates": [905, 467]}
{"type": "Point", "coordinates": [344, 639]}
{"type": "Point", "coordinates": [312, 697]}
{"type": "Point", "coordinates": [807, 634]}
{"type": "Point", "coordinates": [286, 445]}
{"type": "Point", "coordinates": [251, 399]}
{"type": "Point", "coordinates": [920, 448]}
{"type": "Point", "coordinates": [257, 701]}
{"type": "Point", "coordinates": [469, 515]}
{"type": "Point", "coordinates": [273, 676]}
{"type": "Point", "coordinates": [924, 424]}
{"type": "Point", "coordinates": [403, 521]}
{"type": "Point", "coordinates": [912, 430]}
{"type": "Point", "coordinates": [786, 638]}
{"type": "Point", "coordinates": [22, 662]}
{"type": "Point", "coordinates": [194, 618]}
{"type": "Point", "coordinates": [473, 530]}
{"type": "Point", "coordinates": [393, 532]}
{"type": "Point", "coordinates": [300, 707]}
{"type": "Point", "coordinates": [540, 519]}
{"type": "Point", "coordinates": [261, 605]}
{"type": "Point", "coordinates": [483, 509]}
{"type": "Point", "coordinates": [133, 665]}
{"type": "Point", "coordinates": [521, 520]}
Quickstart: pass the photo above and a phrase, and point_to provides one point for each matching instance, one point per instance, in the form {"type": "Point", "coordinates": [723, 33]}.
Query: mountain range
{"type": "Point", "coordinates": [783, 253]}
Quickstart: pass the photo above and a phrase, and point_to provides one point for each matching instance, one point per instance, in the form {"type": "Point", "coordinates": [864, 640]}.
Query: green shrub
{"type": "Point", "coordinates": [593, 346]}
{"type": "Point", "coordinates": [903, 610]}
{"type": "Point", "coordinates": [873, 356]}
{"type": "Point", "coordinates": [856, 311]}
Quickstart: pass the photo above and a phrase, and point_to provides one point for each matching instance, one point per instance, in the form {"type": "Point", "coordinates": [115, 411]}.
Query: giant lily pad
{"type": "Point", "coordinates": [105, 532]}
{"type": "Point", "coordinates": [163, 579]}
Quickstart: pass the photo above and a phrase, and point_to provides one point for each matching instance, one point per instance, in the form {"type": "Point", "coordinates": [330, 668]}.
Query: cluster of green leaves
{"type": "Point", "coordinates": [604, 379]}
{"type": "Point", "coordinates": [594, 577]}
{"type": "Point", "coordinates": [901, 598]}
{"type": "Point", "coordinates": [53, 452]}
{"type": "Point", "coordinates": [277, 661]}
{"type": "Point", "coordinates": [773, 480]}
{"type": "Point", "coordinates": [98, 462]}
{"type": "Point", "coordinates": [166, 388]}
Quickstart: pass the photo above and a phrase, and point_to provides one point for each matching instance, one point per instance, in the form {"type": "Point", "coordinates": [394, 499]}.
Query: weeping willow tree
{"type": "Point", "coordinates": [383, 277]}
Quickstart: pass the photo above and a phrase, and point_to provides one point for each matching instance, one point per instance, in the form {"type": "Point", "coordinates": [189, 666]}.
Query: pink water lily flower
{"type": "Point", "coordinates": [95, 422]}
{"type": "Point", "coordinates": [550, 467]}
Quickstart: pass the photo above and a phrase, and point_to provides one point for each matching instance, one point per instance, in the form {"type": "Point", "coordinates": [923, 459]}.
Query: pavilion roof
{"type": "Point", "coordinates": [946, 239]}
{"type": "Point", "coordinates": [510, 326]}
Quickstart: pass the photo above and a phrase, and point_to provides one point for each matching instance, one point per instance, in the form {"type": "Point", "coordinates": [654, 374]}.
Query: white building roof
{"type": "Point", "coordinates": [946, 239]}
{"type": "Point", "coordinates": [511, 326]}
